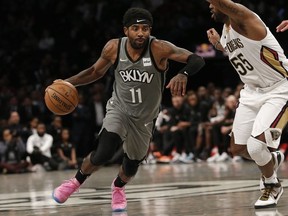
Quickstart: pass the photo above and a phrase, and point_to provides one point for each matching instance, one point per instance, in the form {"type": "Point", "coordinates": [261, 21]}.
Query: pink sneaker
{"type": "Point", "coordinates": [63, 192]}
{"type": "Point", "coordinates": [119, 202]}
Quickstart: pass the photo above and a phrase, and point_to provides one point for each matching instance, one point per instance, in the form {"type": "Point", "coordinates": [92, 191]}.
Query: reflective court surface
{"type": "Point", "coordinates": [214, 189]}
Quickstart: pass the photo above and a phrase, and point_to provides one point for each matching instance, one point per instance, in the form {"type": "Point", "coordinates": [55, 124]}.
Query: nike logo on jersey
{"type": "Point", "coordinates": [140, 20]}
{"type": "Point", "coordinates": [123, 60]}
{"type": "Point", "coordinates": [146, 124]}
{"type": "Point", "coordinates": [135, 75]}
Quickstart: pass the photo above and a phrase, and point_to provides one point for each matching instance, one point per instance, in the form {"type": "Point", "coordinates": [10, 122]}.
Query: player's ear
{"type": "Point", "coordinates": [125, 29]}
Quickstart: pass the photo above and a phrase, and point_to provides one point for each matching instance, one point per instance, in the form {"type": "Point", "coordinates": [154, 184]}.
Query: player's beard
{"type": "Point", "coordinates": [136, 45]}
{"type": "Point", "coordinates": [220, 17]}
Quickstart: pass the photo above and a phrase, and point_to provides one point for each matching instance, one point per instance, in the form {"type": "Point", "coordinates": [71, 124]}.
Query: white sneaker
{"type": "Point", "coordinates": [182, 157]}
{"type": "Point", "coordinates": [213, 158]}
{"type": "Point", "coordinates": [37, 168]}
{"type": "Point", "coordinates": [176, 158]}
{"type": "Point", "coordinates": [223, 157]}
{"type": "Point", "coordinates": [270, 196]}
{"type": "Point", "coordinates": [237, 159]}
{"type": "Point", "coordinates": [278, 159]}
{"type": "Point", "coordinates": [187, 158]}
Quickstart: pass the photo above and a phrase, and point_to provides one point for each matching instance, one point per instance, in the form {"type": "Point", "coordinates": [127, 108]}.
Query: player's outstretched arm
{"type": "Point", "coordinates": [235, 11]}
{"type": "Point", "coordinates": [283, 26]}
{"type": "Point", "coordinates": [242, 19]}
{"type": "Point", "coordinates": [96, 71]}
{"type": "Point", "coordinates": [193, 62]}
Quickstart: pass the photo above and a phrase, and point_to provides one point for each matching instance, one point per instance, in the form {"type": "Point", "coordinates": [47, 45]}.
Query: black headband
{"type": "Point", "coordinates": [137, 21]}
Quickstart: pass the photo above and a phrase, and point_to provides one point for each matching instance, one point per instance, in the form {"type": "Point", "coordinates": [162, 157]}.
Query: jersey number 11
{"type": "Point", "coordinates": [136, 93]}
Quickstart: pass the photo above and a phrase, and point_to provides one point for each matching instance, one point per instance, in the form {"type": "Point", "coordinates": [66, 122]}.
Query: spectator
{"type": "Point", "coordinates": [39, 149]}
{"type": "Point", "coordinates": [54, 129]}
{"type": "Point", "coordinates": [158, 140]}
{"type": "Point", "coordinates": [195, 119]}
{"type": "Point", "coordinates": [27, 110]}
{"type": "Point", "coordinates": [14, 124]}
{"type": "Point", "coordinates": [12, 153]}
{"type": "Point", "coordinates": [98, 106]}
{"type": "Point", "coordinates": [216, 117]}
{"type": "Point", "coordinates": [81, 130]}
{"type": "Point", "coordinates": [225, 126]}
{"type": "Point", "coordinates": [67, 152]}
{"type": "Point", "coordinates": [31, 128]}
{"type": "Point", "coordinates": [205, 105]}
{"type": "Point", "coordinates": [47, 41]}
{"type": "Point", "coordinates": [179, 125]}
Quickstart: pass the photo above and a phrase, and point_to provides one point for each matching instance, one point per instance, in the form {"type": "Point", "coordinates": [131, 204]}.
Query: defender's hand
{"type": "Point", "coordinates": [213, 36]}
{"type": "Point", "coordinates": [283, 26]}
{"type": "Point", "coordinates": [178, 84]}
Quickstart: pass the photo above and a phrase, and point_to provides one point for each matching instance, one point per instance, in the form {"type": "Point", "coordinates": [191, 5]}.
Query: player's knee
{"type": "Point", "coordinates": [130, 167]}
{"type": "Point", "coordinates": [258, 151]}
{"type": "Point", "coordinates": [99, 159]}
{"type": "Point", "coordinates": [107, 146]}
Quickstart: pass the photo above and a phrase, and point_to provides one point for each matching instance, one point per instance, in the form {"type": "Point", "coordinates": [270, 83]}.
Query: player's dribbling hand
{"type": "Point", "coordinates": [177, 85]}
{"type": "Point", "coordinates": [55, 81]}
{"type": "Point", "coordinates": [283, 26]}
{"type": "Point", "coordinates": [58, 80]}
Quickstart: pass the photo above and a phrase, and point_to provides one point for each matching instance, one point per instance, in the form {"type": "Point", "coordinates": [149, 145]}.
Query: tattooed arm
{"type": "Point", "coordinates": [243, 20]}
{"type": "Point", "coordinates": [231, 9]}
{"type": "Point", "coordinates": [97, 70]}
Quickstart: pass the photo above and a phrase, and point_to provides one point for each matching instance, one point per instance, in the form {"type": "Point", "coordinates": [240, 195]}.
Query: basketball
{"type": "Point", "coordinates": [61, 97]}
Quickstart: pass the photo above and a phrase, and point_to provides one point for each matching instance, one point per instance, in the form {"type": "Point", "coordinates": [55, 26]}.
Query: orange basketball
{"type": "Point", "coordinates": [61, 97]}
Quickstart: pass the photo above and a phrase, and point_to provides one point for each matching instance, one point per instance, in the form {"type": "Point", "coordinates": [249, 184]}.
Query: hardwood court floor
{"type": "Point", "coordinates": [214, 189]}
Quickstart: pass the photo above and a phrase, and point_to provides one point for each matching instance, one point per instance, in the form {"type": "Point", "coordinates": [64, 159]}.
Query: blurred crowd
{"type": "Point", "coordinates": [197, 127]}
{"type": "Point", "coordinates": [194, 128]}
{"type": "Point", "coordinates": [50, 39]}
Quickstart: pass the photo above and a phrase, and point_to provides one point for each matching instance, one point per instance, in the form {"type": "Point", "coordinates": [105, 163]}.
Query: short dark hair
{"type": "Point", "coordinates": [132, 15]}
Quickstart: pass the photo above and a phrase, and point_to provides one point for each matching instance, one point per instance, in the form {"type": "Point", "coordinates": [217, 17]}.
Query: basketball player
{"type": "Point", "coordinates": [140, 62]}
{"type": "Point", "coordinates": [262, 113]}
{"type": "Point", "coordinates": [283, 26]}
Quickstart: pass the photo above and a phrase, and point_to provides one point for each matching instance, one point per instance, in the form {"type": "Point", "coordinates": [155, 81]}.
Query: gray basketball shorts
{"type": "Point", "coordinates": [136, 135]}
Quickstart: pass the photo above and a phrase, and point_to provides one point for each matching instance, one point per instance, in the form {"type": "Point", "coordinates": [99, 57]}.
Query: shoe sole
{"type": "Point", "coordinates": [271, 205]}
{"type": "Point", "coordinates": [119, 210]}
{"type": "Point", "coordinates": [55, 199]}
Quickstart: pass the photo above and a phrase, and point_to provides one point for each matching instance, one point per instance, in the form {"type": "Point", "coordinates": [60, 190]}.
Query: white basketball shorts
{"type": "Point", "coordinates": [260, 109]}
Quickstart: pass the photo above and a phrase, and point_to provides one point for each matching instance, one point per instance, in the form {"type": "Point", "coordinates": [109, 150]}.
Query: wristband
{"type": "Point", "coordinates": [216, 44]}
{"type": "Point", "coordinates": [194, 64]}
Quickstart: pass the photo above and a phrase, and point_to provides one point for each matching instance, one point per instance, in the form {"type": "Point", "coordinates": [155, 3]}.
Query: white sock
{"type": "Point", "coordinates": [271, 180]}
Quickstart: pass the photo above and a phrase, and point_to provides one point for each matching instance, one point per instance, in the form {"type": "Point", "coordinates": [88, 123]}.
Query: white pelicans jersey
{"type": "Point", "coordinates": [259, 64]}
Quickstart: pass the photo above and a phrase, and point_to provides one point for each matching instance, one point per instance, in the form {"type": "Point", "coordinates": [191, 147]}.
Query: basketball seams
{"type": "Point", "coordinates": [61, 110]}
{"type": "Point", "coordinates": [68, 85]}
{"type": "Point", "coordinates": [63, 96]}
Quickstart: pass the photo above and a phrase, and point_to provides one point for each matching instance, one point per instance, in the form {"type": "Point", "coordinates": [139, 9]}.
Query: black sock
{"type": "Point", "coordinates": [81, 177]}
{"type": "Point", "coordinates": [119, 183]}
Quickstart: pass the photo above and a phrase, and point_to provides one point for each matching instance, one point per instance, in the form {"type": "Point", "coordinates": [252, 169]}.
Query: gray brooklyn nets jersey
{"type": "Point", "coordinates": [138, 85]}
